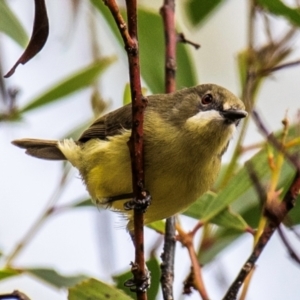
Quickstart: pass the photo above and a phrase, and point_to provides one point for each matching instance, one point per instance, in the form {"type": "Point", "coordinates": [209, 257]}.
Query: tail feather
{"type": "Point", "coordinates": [45, 149]}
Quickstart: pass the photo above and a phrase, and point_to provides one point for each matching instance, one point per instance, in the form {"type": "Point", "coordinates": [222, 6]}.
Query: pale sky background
{"type": "Point", "coordinates": [74, 242]}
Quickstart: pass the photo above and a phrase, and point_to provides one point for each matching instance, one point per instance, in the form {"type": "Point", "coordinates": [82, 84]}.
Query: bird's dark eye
{"type": "Point", "coordinates": [207, 99]}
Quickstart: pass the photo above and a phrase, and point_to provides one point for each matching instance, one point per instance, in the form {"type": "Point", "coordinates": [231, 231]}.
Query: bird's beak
{"type": "Point", "coordinates": [233, 116]}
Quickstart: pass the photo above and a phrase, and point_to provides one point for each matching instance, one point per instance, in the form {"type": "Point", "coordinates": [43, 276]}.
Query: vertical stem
{"type": "Point", "coordinates": [168, 255]}
{"type": "Point", "coordinates": [168, 15]}
{"type": "Point", "coordinates": [139, 103]}
{"type": "Point", "coordinates": [136, 142]}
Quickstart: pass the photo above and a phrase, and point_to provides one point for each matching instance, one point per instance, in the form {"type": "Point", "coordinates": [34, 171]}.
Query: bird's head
{"type": "Point", "coordinates": [208, 112]}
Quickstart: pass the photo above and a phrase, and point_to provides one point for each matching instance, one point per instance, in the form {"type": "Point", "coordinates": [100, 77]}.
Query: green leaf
{"type": "Point", "coordinates": [5, 273]}
{"type": "Point", "coordinates": [278, 8]}
{"type": "Point", "coordinates": [185, 71]}
{"type": "Point", "coordinates": [158, 226]}
{"type": "Point", "coordinates": [153, 267]}
{"type": "Point", "coordinates": [250, 209]}
{"type": "Point", "coordinates": [96, 290]}
{"type": "Point", "coordinates": [10, 25]}
{"type": "Point", "coordinates": [294, 215]}
{"type": "Point", "coordinates": [151, 49]}
{"type": "Point", "coordinates": [199, 10]}
{"type": "Point", "coordinates": [75, 82]}
{"type": "Point", "coordinates": [152, 63]}
{"type": "Point", "coordinates": [226, 218]}
{"type": "Point", "coordinates": [229, 219]}
{"type": "Point", "coordinates": [240, 185]}
{"type": "Point", "coordinates": [52, 277]}
{"type": "Point", "coordinates": [151, 44]}
{"type": "Point", "coordinates": [126, 94]}
{"type": "Point", "coordinates": [83, 203]}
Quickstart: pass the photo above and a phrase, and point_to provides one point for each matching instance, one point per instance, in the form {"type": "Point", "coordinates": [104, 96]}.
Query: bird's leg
{"type": "Point", "coordinates": [143, 284]}
{"type": "Point", "coordinates": [139, 204]}
{"type": "Point", "coordinates": [139, 282]}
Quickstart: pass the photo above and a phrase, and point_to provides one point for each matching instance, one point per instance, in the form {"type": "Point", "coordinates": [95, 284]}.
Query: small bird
{"type": "Point", "coordinates": [185, 135]}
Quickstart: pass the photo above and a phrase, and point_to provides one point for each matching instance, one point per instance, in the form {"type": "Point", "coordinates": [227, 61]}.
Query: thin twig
{"type": "Point", "coordinates": [252, 12]}
{"type": "Point", "coordinates": [297, 234]}
{"type": "Point", "coordinates": [167, 266]}
{"type": "Point", "coordinates": [168, 255]}
{"type": "Point", "coordinates": [168, 15]}
{"type": "Point", "coordinates": [186, 240]}
{"type": "Point", "coordinates": [114, 9]}
{"type": "Point", "coordinates": [181, 39]}
{"type": "Point", "coordinates": [279, 67]}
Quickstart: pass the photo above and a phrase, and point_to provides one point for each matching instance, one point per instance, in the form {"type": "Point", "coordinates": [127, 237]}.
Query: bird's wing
{"type": "Point", "coordinates": [109, 125]}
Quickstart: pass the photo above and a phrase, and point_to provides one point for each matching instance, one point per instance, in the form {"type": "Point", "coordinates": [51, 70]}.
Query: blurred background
{"type": "Point", "coordinates": [90, 240]}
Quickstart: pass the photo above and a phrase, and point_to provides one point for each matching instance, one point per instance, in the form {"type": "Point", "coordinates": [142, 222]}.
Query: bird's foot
{"type": "Point", "coordinates": [140, 282]}
{"type": "Point", "coordinates": [139, 204]}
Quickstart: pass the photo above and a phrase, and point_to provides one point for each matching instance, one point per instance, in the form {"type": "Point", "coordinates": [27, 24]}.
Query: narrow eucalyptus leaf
{"type": "Point", "coordinates": [279, 8]}
{"type": "Point", "coordinates": [5, 273]}
{"type": "Point", "coordinates": [54, 278]}
{"type": "Point", "coordinates": [10, 25]}
{"type": "Point", "coordinates": [96, 290]}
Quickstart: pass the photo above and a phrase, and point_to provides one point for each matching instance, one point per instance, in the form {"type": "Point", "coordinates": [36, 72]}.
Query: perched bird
{"type": "Point", "coordinates": [185, 136]}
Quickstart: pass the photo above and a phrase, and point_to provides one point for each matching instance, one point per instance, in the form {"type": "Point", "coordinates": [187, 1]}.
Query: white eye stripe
{"type": "Point", "coordinates": [207, 115]}
{"type": "Point", "coordinates": [202, 118]}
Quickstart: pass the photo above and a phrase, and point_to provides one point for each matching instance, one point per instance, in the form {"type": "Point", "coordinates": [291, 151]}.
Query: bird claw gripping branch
{"type": "Point", "coordinates": [139, 204]}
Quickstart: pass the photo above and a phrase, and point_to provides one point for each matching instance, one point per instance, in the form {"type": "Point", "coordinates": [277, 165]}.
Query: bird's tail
{"type": "Point", "coordinates": [45, 149]}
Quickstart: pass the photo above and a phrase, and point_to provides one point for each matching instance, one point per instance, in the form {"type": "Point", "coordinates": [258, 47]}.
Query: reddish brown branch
{"type": "Point", "coordinates": [130, 39]}
{"type": "Point", "coordinates": [136, 141]}
{"type": "Point", "coordinates": [167, 267]}
{"type": "Point", "coordinates": [114, 9]}
{"type": "Point", "coordinates": [195, 278]}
